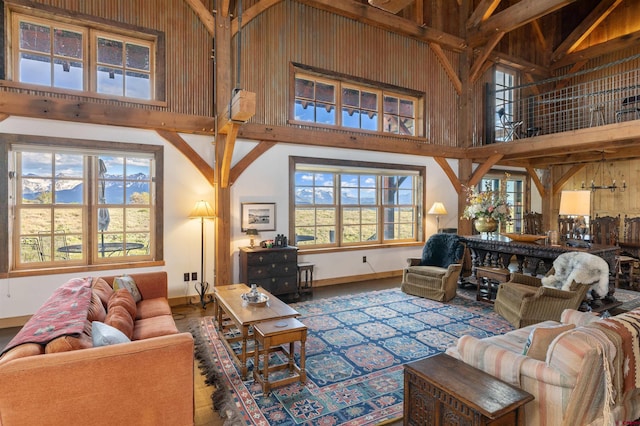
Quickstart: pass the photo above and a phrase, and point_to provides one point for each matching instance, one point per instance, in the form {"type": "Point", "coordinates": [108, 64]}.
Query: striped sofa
{"type": "Point", "coordinates": [575, 374]}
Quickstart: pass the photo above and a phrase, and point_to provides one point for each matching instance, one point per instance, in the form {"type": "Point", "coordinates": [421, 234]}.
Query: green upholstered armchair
{"type": "Point", "coordinates": [523, 300]}
{"type": "Point", "coordinates": [435, 275]}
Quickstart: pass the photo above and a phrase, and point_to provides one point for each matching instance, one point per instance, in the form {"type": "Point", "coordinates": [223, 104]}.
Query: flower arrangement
{"type": "Point", "coordinates": [488, 204]}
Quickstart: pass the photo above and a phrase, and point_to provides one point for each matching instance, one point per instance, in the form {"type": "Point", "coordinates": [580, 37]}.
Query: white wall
{"type": "Point", "coordinates": [267, 180]}
{"type": "Point", "coordinates": [183, 186]}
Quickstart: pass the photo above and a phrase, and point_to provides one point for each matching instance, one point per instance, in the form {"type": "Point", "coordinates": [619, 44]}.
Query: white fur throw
{"type": "Point", "coordinates": [583, 268]}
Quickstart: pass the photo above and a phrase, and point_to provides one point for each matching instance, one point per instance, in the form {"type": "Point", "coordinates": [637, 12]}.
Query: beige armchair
{"type": "Point", "coordinates": [435, 275]}
{"type": "Point", "coordinates": [523, 300]}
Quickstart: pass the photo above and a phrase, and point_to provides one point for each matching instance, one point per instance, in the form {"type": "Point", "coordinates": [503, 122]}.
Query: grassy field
{"type": "Point", "coordinates": [359, 224]}
{"type": "Point", "coordinates": [44, 229]}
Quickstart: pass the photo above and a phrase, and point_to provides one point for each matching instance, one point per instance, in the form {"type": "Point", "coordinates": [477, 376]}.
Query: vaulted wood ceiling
{"type": "Point", "coordinates": [560, 26]}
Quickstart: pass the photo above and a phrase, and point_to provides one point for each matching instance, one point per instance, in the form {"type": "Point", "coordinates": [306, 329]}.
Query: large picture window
{"type": "Point", "coordinates": [317, 99]}
{"type": "Point", "coordinates": [61, 55]}
{"type": "Point", "coordinates": [341, 203]}
{"type": "Point", "coordinates": [82, 206]}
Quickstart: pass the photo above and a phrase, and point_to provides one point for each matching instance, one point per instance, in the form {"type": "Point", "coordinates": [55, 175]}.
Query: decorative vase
{"type": "Point", "coordinates": [485, 224]}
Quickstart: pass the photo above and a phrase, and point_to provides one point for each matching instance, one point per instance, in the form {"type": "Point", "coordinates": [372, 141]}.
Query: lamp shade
{"type": "Point", "coordinates": [251, 231]}
{"type": "Point", "coordinates": [437, 208]}
{"type": "Point", "coordinates": [202, 209]}
{"type": "Point", "coordinates": [575, 203]}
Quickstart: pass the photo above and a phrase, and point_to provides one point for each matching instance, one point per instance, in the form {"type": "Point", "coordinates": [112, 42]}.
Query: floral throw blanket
{"type": "Point", "coordinates": [64, 313]}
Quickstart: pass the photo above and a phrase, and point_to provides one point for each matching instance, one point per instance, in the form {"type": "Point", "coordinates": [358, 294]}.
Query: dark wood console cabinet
{"type": "Point", "coordinates": [274, 269]}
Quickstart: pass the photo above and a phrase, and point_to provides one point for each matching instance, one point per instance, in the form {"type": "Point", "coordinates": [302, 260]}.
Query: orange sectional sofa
{"type": "Point", "coordinates": [70, 381]}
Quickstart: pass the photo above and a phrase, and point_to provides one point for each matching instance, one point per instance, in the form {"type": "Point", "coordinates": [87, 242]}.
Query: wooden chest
{"type": "Point", "coordinates": [442, 391]}
{"type": "Point", "coordinates": [274, 269]}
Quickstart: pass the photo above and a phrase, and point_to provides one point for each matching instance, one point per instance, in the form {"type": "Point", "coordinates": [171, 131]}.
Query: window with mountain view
{"type": "Point", "coordinates": [341, 203]}
{"type": "Point", "coordinates": [82, 208]}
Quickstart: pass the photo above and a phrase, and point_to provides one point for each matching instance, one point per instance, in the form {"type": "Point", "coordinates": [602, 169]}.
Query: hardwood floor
{"type": "Point", "coordinates": [204, 414]}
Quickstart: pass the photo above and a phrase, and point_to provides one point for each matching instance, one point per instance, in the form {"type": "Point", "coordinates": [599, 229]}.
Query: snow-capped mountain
{"type": "Point", "coordinates": [71, 191]}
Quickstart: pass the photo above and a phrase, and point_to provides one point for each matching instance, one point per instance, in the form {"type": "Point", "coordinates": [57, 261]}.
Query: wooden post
{"type": "Point", "coordinates": [223, 68]}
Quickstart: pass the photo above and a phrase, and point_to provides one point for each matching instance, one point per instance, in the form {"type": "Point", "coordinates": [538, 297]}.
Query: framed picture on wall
{"type": "Point", "coordinates": [261, 216]}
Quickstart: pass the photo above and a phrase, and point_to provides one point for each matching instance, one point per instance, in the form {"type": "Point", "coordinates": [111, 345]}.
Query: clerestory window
{"type": "Point", "coordinates": [340, 203]}
{"type": "Point", "coordinates": [78, 206]}
{"type": "Point", "coordinates": [331, 102]}
{"type": "Point", "coordinates": [82, 56]}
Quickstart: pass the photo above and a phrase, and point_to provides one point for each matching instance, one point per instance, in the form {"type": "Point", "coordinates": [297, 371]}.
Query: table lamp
{"type": "Point", "coordinates": [202, 210]}
{"type": "Point", "coordinates": [437, 209]}
{"type": "Point", "coordinates": [575, 203]}
{"type": "Point", "coordinates": [251, 232]}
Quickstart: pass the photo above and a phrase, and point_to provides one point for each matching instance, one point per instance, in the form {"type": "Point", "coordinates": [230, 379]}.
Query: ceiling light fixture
{"type": "Point", "coordinates": [600, 170]}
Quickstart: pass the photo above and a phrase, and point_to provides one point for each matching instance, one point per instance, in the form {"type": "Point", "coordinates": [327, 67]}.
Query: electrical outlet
{"type": "Point", "coordinates": [186, 277]}
{"type": "Point", "coordinates": [194, 276]}
{"type": "Point", "coordinates": [364, 259]}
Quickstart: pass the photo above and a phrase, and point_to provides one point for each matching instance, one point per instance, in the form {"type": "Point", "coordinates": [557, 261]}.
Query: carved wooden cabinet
{"type": "Point", "coordinates": [274, 269]}
{"type": "Point", "coordinates": [442, 391]}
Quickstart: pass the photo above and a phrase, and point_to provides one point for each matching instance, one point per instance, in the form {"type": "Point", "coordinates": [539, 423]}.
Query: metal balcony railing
{"type": "Point", "coordinates": [608, 100]}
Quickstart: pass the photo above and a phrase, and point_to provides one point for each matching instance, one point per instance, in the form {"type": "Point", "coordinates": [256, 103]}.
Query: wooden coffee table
{"type": "Point", "coordinates": [229, 305]}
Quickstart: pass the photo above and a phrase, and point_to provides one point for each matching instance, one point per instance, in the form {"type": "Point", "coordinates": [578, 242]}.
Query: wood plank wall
{"type": "Point", "coordinates": [604, 202]}
{"type": "Point", "coordinates": [189, 68]}
{"type": "Point", "coordinates": [322, 40]}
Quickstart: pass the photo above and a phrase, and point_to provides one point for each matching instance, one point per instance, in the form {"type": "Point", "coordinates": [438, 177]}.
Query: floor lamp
{"type": "Point", "coordinates": [202, 211]}
{"type": "Point", "coordinates": [437, 209]}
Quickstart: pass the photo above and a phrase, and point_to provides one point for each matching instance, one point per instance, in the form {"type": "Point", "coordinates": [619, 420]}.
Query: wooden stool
{"type": "Point", "coordinates": [269, 336]}
{"type": "Point", "coordinates": [492, 276]}
{"type": "Point", "coordinates": [305, 286]}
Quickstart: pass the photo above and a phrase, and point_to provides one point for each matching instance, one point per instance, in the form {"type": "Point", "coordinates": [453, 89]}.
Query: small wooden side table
{"type": "Point", "coordinates": [269, 337]}
{"type": "Point", "coordinates": [305, 286]}
{"type": "Point", "coordinates": [493, 277]}
{"type": "Point", "coordinates": [441, 390]}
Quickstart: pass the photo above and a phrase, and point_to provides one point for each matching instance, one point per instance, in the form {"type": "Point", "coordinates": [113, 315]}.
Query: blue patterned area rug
{"type": "Point", "coordinates": [356, 348]}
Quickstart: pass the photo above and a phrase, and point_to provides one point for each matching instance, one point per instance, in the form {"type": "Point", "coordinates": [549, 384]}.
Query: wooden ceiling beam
{"type": "Point", "coordinates": [364, 13]}
{"type": "Point", "coordinates": [513, 17]}
{"type": "Point", "coordinates": [545, 150]}
{"type": "Point", "coordinates": [84, 111]}
{"type": "Point", "coordinates": [484, 10]}
{"type": "Point", "coordinates": [486, 51]}
{"type": "Point", "coordinates": [448, 68]}
{"type": "Point", "coordinates": [205, 15]}
{"type": "Point", "coordinates": [558, 184]}
{"type": "Point", "coordinates": [582, 31]}
{"type": "Point", "coordinates": [181, 145]}
{"type": "Point", "coordinates": [246, 161]}
{"type": "Point", "coordinates": [536, 180]}
{"type": "Point", "coordinates": [251, 13]}
{"type": "Point", "coordinates": [302, 136]}
{"type": "Point", "coordinates": [519, 64]}
{"type": "Point", "coordinates": [484, 168]}
{"type": "Point", "coordinates": [451, 174]}
{"type": "Point", "coordinates": [627, 41]}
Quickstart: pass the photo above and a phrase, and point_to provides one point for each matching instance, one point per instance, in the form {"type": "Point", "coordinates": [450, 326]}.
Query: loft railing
{"type": "Point", "coordinates": [607, 100]}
